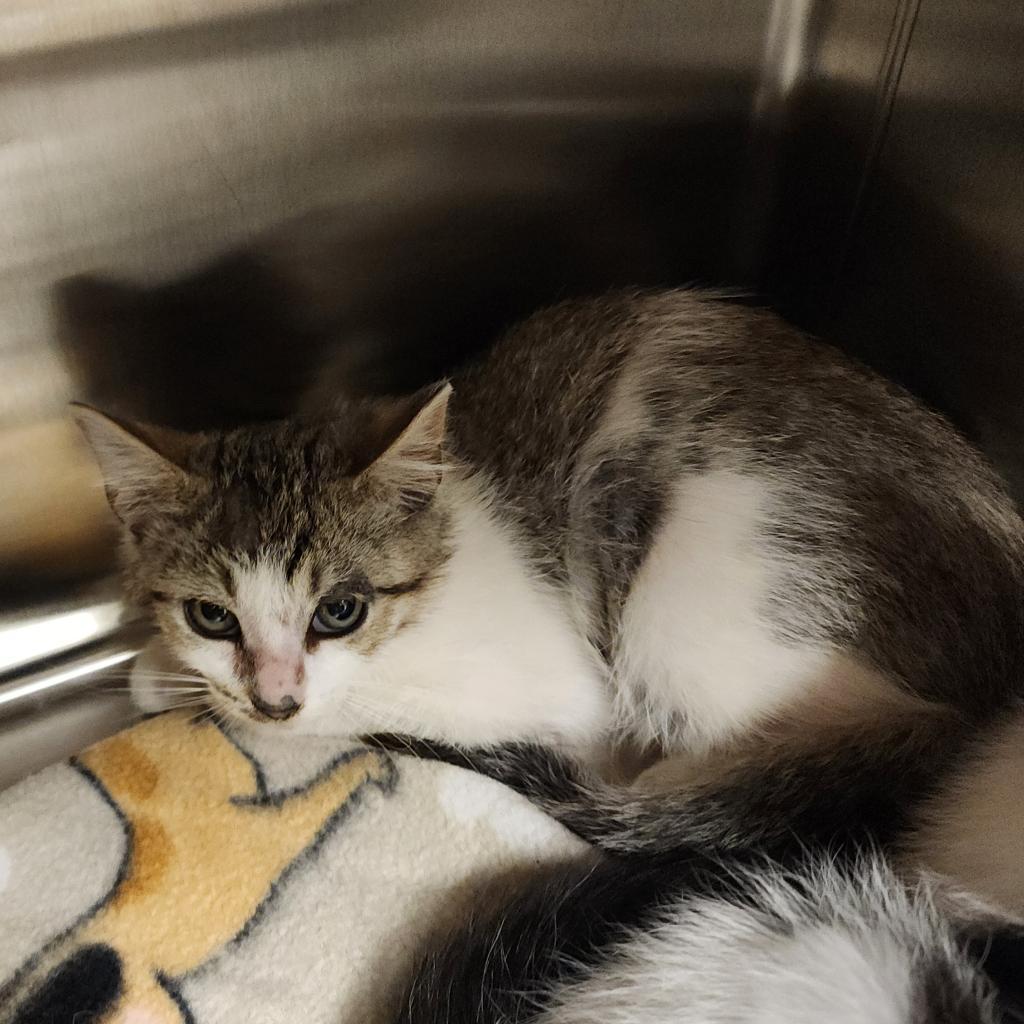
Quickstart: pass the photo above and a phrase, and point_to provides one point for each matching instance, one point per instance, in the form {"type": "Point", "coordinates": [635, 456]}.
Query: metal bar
{"type": "Point", "coordinates": [72, 675]}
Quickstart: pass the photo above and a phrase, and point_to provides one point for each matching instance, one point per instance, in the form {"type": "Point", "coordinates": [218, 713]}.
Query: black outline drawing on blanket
{"type": "Point", "coordinates": [195, 811]}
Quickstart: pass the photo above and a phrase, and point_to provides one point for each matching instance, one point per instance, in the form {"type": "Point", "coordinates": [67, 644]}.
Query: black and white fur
{"type": "Point", "coordinates": [681, 919]}
{"type": "Point", "coordinates": [706, 940]}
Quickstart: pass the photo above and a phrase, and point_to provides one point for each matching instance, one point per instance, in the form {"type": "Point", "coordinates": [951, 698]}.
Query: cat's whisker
{"type": "Point", "coordinates": [202, 716]}
{"type": "Point", "coordinates": [125, 693]}
{"type": "Point", "coordinates": [218, 708]}
{"type": "Point", "coordinates": [128, 688]}
{"type": "Point", "coordinates": [164, 700]}
{"type": "Point", "coordinates": [143, 670]}
{"type": "Point", "coordinates": [226, 714]}
{"type": "Point", "coordinates": [145, 673]}
{"type": "Point", "coordinates": [119, 687]}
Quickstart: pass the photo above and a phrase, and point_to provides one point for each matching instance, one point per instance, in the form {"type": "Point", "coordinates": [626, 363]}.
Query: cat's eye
{"type": "Point", "coordinates": [339, 616]}
{"type": "Point", "coordinates": [211, 620]}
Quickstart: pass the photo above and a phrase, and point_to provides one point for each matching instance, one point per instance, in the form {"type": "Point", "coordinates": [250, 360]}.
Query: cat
{"type": "Point", "coordinates": [658, 516]}
{"type": "Point", "coordinates": [711, 940]}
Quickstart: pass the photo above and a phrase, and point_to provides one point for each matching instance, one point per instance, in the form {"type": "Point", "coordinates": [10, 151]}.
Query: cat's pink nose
{"type": "Point", "coordinates": [280, 689]}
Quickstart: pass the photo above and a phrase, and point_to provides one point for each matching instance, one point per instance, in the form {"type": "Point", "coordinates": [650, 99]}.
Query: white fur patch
{"type": "Point", "coordinates": [694, 639]}
{"type": "Point", "coordinates": [273, 614]}
{"type": "Point", "coordinates": [716, 964]}
{"type": "Point", "coordinates": [846, 953]}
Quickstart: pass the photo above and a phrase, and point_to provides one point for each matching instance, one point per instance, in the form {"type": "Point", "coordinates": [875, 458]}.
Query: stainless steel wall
{"type": "Point", "coordinates": [900, 223]}
{"type": "Point", "coordinates": [262, 184]}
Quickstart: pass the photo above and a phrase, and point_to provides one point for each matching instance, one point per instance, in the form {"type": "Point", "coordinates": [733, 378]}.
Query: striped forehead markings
{"type": "Point", "coordinates": [301, 546]}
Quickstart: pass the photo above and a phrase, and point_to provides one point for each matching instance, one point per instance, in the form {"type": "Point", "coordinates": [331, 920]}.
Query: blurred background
{"type": "Point", "coordinates": [212, 209]}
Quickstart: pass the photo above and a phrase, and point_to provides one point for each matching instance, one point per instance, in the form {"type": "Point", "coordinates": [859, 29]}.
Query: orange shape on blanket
{"type": "Point", "coordinates": [206, 848]}
{"type": "Point", "coordinates": [127, 768]}
{"type": "Point", "coordinates": [151, 853]}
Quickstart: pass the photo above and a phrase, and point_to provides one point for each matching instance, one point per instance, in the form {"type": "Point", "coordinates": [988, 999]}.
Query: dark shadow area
{"type": "Point", "coordinates": [901, 285]}
{"type": "Point", "coordinates": [388, 298]}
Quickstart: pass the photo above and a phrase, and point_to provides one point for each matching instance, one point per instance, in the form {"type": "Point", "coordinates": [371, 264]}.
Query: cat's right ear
{"type": "Point", "coordinates": [410, 437]}
{"type": "Point", "coordinates": [135, 473]}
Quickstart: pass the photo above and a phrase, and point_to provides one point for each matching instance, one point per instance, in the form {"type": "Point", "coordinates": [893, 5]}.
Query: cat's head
{"type": "Point", "coordinates": [276, 560]}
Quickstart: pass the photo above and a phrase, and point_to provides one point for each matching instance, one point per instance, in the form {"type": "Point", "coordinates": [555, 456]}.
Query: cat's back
{"type": "Point", "coordinates": [525, 411]}
{"type": "Point", "coordinates": [702, 379]}
{"type": "Point", "coordinates": [559, 364]}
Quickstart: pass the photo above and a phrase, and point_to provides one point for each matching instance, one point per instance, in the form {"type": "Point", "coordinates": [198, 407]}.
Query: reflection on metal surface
{"type": "Point", "coordinates": [213, 211]}
{"type": "Point", "coordinates": [900, 215]}
{"type": "Point", "coordinates": [75, 671]}
{"type": "Point", "coordinates": [933, 285]}
{"type": "Point", "coordinates": [26, 641]}
{"type": "Point", "coordinates": [34, 26]}
{"type": "Point", "coordinates": [786, 54]}
{"type": "Point", "coordinates": [56, 710]}
{"type": "Point", "coordinates": [84, 671]}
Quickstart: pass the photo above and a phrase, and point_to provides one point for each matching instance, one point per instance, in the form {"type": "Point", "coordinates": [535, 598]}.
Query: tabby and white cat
{"type": "Point", "coordinates": [660, 516]}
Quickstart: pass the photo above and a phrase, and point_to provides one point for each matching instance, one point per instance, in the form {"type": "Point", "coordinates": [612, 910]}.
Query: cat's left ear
{"type": "Point", "coordinates": [411, 459]}
{"type": "Point", "coordinates": [138, 462]}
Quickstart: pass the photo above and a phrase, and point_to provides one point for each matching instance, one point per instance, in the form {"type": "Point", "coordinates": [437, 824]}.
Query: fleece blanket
{"type": "Point", "coordinates": [174, 874]}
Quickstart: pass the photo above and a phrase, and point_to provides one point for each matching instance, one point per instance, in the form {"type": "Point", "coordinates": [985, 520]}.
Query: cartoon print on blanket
{"type": "Point", "coordinates": [207, 845]}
